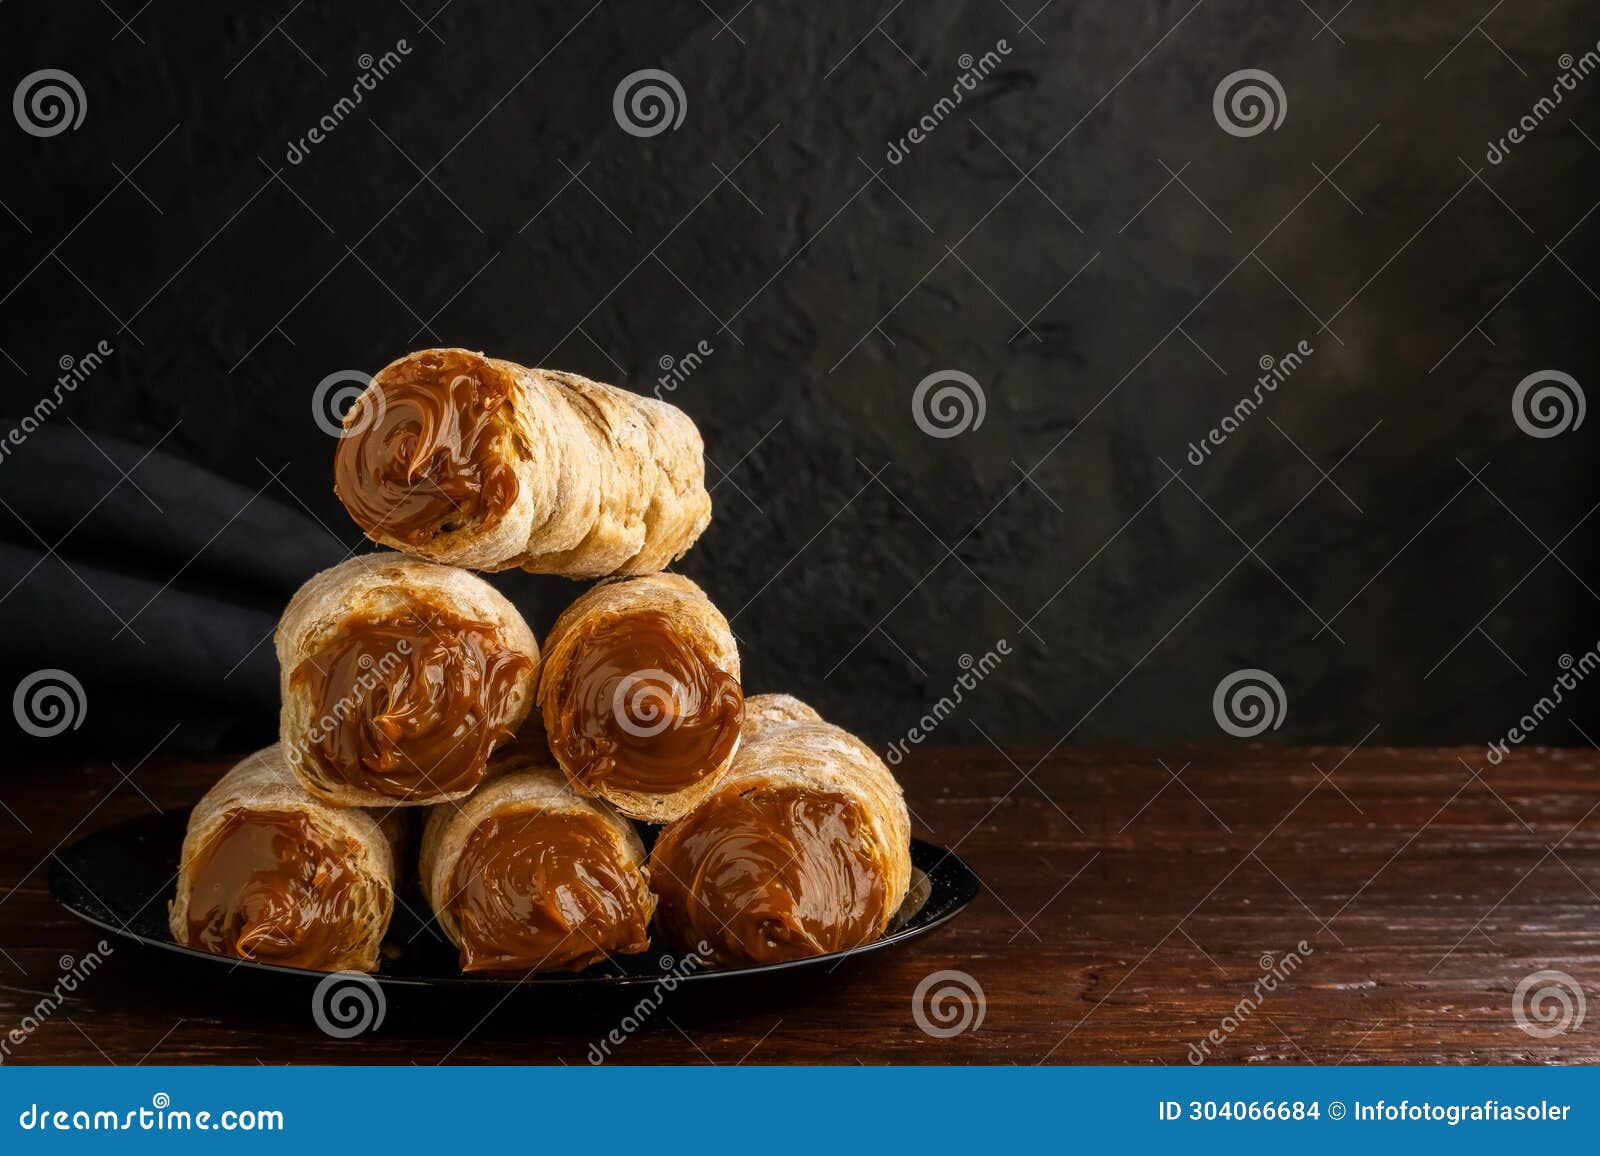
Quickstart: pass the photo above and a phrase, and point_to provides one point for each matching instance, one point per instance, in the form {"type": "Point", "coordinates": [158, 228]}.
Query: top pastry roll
{"type": "Point", "coordinates": [483, 463]}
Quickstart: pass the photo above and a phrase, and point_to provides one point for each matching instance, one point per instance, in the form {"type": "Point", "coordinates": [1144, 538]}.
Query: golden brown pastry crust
{"type": "Point", "coordinates": [785, 741]}
{"type": "Point", "coordinates": [263, 783]}
{"type": "Point", "coordinates": [693, 618]}
{"type": "Point", "coordinates": [521, 777]}
{"type": "Point", "coordinates": [787, 745]}
{"type": "Point", "coordinates": [368, 586]}
{"type": "Point", "coordinates": [608, 482]}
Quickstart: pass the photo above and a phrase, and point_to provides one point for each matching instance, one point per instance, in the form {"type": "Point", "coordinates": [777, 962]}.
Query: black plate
{"type": "Point", "coordinates": [120, 880]}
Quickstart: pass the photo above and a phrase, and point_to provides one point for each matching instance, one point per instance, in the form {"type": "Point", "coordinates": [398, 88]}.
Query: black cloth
{"type": "Point", "coordinates": [154, 583]}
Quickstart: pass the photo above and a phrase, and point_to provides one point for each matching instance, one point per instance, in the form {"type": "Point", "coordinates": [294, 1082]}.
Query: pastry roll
{"type": "Point", "coordinates": [640, 694]}
{"type": "Point", "coordinates": [802, 849]}
{"type": "Point", "coordinates": [527, 875]}
{"type": "Point", "coordinates": [271, 874]}
{"type": "Point", "coordinates": [398, 677]}
{"type": "Point", "coordinates": [479, 462]}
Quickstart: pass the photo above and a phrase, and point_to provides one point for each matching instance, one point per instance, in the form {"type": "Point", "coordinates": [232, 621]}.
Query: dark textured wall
{"type": "Point", "coordinates": [1080, 236]}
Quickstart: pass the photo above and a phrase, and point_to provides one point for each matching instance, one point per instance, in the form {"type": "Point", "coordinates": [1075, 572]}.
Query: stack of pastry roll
{"type": "Point", "coordinates": [407, 681]}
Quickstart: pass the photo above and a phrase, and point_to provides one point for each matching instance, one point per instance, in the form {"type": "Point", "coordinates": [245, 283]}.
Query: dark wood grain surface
{"type": "Point", "coordinates": [1132, 897]}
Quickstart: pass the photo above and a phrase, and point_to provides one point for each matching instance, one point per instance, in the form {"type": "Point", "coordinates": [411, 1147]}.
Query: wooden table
{"type": "Point", "coordinates": [1133, 898]}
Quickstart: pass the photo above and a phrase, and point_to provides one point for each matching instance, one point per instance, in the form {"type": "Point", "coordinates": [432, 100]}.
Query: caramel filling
{"type": "Point", "coordinates": [408, 705]}
{"type": "Point", "coordinates": [537, 890]}
{"type": "Point", "coordinates": [268, 887]}
{"type": "Point", "coordinates": [639, 708]}
{"type": "Point", "coordinates": [773, 874]}
{"type": "Point", "coordinates": [422, 450]}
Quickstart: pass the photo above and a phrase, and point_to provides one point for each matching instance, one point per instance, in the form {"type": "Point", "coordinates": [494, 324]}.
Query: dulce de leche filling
{"type": "Point", "coordinates": [408, 704]}
{"type": "Point", "coordinates": [268, 887]}
{"type": "Point", "coordinates": [767, 875]}
{"type": "Point", "coordinates": [422, 450]}
{"type": "Point", "coordinates": [545, 891]}
{"type": "Point", "coordinates": [640, 708]}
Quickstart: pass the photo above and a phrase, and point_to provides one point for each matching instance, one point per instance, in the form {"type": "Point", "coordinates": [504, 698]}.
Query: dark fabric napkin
{"type": "Point", "coordinates": [154, 585]}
